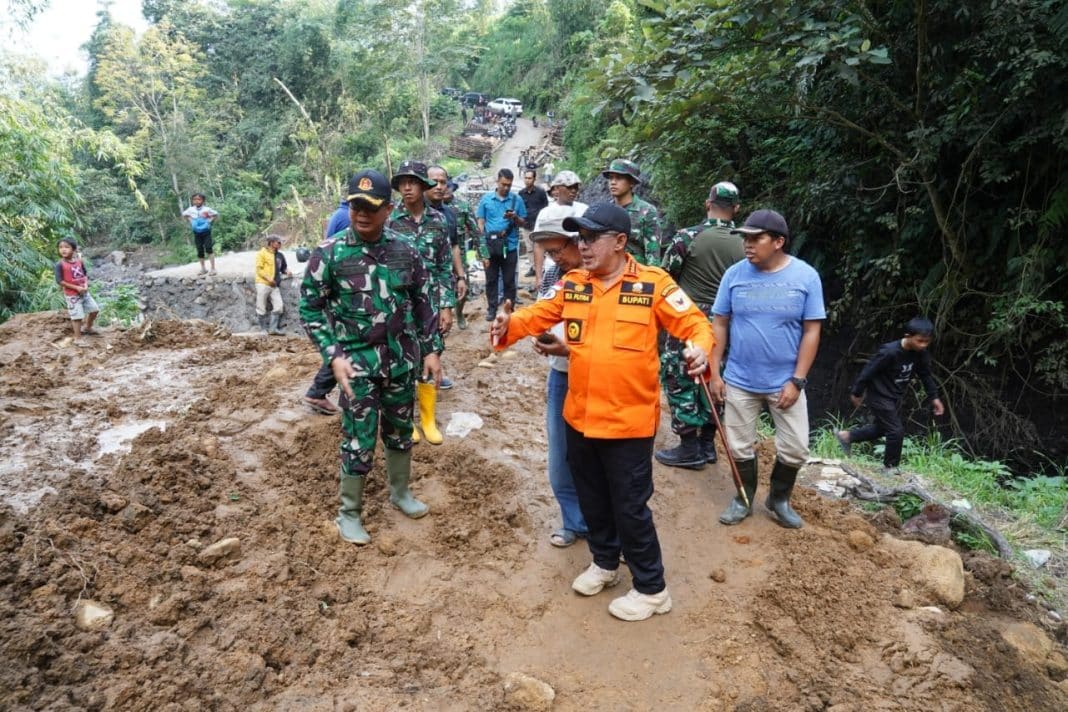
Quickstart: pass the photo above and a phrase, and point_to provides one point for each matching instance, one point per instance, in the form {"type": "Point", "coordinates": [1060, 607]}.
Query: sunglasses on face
{"type": "Point", "coordinates": [588, 238]}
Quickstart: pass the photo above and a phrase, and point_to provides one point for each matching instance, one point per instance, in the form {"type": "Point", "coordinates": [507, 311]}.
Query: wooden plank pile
{"type": "Point", "coordinates": [471, 148]}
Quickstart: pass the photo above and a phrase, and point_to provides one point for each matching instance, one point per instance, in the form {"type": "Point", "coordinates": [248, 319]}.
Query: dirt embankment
{"type": "Point", "coordinates": [129, 459]}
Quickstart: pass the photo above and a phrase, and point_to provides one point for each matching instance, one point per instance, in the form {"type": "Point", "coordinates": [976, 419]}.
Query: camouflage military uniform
{"type": "Point", "coordinates": [644, 240]}
{"type": "Point", "coordinates": [689, 411]}
{"type": "Point", "coordinates": [371, 301]}
{"type": "Point", "coordinates": [431, 237]}
{"type": "Point", "coordinates": [466, 227]}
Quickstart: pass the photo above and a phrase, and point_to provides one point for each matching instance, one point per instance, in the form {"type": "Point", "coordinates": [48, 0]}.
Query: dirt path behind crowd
{"type": "Point", "coordinates": [435, 613]}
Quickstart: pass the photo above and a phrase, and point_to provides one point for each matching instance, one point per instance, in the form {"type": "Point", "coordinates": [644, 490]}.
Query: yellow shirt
{"type": "Point", "coordinates": [265, 267]}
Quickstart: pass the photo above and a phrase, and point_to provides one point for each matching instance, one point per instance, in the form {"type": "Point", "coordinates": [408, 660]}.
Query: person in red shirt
{"type": "Point", "coordinates": [612, 310]}
{"type": "Point", "coordinates": [72, 276]}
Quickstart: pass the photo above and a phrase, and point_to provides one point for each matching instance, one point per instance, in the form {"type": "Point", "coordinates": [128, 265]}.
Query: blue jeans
{"type": "Point", "coordinates": [559, 473]}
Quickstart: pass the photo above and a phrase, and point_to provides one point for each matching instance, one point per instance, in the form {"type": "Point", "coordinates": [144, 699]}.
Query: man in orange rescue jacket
{"type": "Point", "coordinates": [612, 309]}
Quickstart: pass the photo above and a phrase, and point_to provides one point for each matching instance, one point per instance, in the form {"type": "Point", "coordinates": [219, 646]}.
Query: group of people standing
{"type": "Point", "coordinates": [621, 310]}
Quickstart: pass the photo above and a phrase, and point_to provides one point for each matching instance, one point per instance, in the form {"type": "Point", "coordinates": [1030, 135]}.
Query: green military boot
{"type": "Point", "coordinates": [399, 469]}
{"type": "Point", "coordinates": [783, 477]}
{"type": "Point", "coordinates": [348, 521]}
{"type": "Point", "coordinates": [736, 511]}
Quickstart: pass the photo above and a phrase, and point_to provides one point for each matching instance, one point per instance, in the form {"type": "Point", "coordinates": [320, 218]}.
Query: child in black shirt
{"type": "Point", "coordinates": [881, 384]}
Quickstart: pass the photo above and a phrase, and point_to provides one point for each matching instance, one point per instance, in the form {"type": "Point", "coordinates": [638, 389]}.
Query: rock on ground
{"type": "Point", "coordinates": [221, 550]}
{"type": "Point", "coordinates": [91, 615]}
{"type": "Point", "coordinates": [938, 571]}
{"type": "Point", "coordinates": [526, 693]}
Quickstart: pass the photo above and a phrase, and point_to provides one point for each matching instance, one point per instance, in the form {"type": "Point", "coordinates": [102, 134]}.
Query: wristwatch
{"type": "Point", "coordinates": [799, 382]}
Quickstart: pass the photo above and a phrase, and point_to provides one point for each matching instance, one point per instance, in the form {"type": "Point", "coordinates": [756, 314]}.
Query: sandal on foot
{"type": "Point", "coordinates": [323, 406]}
{"type": "Point", "coordinates": [562, 538]}
{"type": "Point", "coordinates": [90, 332]}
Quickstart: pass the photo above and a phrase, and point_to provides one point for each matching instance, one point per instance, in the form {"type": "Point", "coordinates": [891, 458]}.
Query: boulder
{"type": "Point", "coordinates": [528, 694]}
{"type": "Point", "coordinates": [1030, 641]}
{"type": "Point", "coordinates": [936, 570]}
{"type": "Point", "coordinates": [1037, 557]}
{"type": "Point", "coordinates": [117, 258]}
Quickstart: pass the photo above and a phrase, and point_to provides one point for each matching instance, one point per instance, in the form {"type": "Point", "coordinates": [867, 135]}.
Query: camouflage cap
{"type": "Point", "coordinates": [623, 167]}
{"type": "Point", "coordinates": [415, 169]}
{"type": "Point", "coordinates": [724, 193]}
{"type": "Point", "coordinates": [370, 187]}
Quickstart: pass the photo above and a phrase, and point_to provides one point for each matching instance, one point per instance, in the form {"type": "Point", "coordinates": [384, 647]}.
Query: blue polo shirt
{"type": "Point", "coordinates": [492, 207]}
{"type": "Point", "coordinates": [339, 220]}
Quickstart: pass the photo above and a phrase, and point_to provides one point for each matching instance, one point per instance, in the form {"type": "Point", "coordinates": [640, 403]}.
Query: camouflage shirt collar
{"type": "Point", "coordinates": [716, 222]}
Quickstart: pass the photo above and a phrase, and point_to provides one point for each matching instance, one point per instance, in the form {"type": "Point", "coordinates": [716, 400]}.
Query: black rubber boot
{"type": "Point", "coordinates": [707, 438]}
{"type": "Point", "coordinates": [736, 511]}
{"type": "Point", "coordinates": [688, 454]}
{"type": "Point", "coordinates": [783, 477]}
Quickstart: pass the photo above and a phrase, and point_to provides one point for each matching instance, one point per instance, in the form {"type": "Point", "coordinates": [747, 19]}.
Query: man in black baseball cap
{"type": "Point", "coordinates": [764, 221]}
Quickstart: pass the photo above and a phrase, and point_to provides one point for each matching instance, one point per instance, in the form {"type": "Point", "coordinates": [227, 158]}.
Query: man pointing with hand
{"type": "Point", "coordinates": [612, 309]}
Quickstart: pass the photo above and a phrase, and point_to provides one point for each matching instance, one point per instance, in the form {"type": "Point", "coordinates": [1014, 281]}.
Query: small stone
{"type": "Point", "coordinates": [527, 693]}
{"type": "Point", "coordinates": [1057, 666]}
{"type": "Point", "coordinates": [200, 300]}
{"type": "Point", "coordinates": [859, 541]}
{"type": "Point", "coordinates": [719, 575]}
{"type": "Point", "coordinates": [487, 363]}
{"type": "Point", "coordinates": [830, 487]}
{"type": "Point", "coordinates": [742, 539]}
{"type": "Point", "coordinates": [194, 544]}
{"type": "Point", "coordinates": [135, 516]}
{"type": "Point", "coordinates": [1037, 557]}
{"type": "Point", "coordinates": [224, 549]}
{"type": "Point", "coordinates": [387, 544]}
{"type": "Point", "coordinates": [831, 472]}
{"type": "Point", "coordinates": [509, 355]}
{"type": "Point", "coordinates": [961, 504]}
{"type": "Point", "coordinates": [117, 258]}
{"type": "Point", "coordinates": [112, 502]}
{"type": "Point", "coordinates": [91, 615]}
{"type": "Point", "coordinates": [904, 599]}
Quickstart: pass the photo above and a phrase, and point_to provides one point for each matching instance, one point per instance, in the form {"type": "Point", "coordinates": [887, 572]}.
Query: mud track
{"type": "Point", "coordinates": [124, 460]}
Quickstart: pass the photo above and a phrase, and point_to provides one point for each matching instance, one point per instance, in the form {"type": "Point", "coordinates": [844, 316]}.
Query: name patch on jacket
{"type": "Point", "coordinates": [573, 329]}
{"type": "Point", "coordinates": [578, 292]}
{"type": "Point", "coordinates": [638, 300]}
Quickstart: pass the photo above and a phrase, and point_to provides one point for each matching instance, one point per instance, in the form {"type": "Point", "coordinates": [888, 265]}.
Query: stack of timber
{"type": "Point", "coordinates": [472, 148]}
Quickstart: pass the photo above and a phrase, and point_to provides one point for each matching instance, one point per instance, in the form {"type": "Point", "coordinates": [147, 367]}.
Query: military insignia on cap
{"type": "Point", "coordinates": [365, 183]}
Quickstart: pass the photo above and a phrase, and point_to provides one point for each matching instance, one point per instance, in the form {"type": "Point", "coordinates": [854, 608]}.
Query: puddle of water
{"type": "Point", "coordinates": [117, 438]}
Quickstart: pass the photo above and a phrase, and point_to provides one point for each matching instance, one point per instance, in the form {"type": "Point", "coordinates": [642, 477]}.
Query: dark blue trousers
{"type": "Point", "coordinates": [614, 481]}
{"type": "Point", "coordinates": [324, 383]}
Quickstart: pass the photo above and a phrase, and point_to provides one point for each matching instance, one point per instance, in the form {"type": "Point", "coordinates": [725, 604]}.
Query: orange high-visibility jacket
{"type": "Point", "coordinates": [613, 388]}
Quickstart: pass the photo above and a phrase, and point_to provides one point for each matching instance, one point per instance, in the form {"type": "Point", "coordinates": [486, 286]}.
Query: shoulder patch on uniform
{"type": "Point", "coordinates": [668, 290]}
{"type": "Point", "coordinates": [573, 329]}
{"type": "Point", "coordinates": [679, 301]}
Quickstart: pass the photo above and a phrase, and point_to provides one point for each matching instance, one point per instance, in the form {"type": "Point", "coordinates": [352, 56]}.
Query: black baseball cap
{"type": "Point", "coordinates": [370, 187]}
{"type": "Point", "coordinates": [600, 217]}
{"type": "Point", "coordinates": [764, 221]}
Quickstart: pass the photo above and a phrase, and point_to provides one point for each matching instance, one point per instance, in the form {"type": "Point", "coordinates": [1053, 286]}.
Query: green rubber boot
{"type": "Point", "coordinates": [399, 469]}
{"type": "Point", "coordinates": [783, 477]}
{"type": "Point", "coordinates": [736, 511]}
{"type": "Point", "coordinates": [348, 521]}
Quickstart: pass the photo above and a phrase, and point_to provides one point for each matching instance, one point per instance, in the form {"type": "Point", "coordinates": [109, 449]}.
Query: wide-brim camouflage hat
{"type": "Point", "coordinates": [415, 169]}
{"type": "Point", "coordinates": [623, 167]}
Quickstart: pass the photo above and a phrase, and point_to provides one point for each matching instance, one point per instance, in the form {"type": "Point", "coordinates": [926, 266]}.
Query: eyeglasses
{"type": "Point", "coordinates": [555, 252]}
{"type": "Point", "coordinates": [588, 238]}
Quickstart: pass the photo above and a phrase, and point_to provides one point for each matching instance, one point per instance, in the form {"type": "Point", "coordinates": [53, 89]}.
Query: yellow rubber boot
{"type": "Point", "coordinates": [415, 433]}
{"type": "Point", "coordinates": [428, 398]}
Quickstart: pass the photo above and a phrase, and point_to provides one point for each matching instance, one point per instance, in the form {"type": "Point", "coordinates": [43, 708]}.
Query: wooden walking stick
{"type": "Point", "coordinates": [707, 390]}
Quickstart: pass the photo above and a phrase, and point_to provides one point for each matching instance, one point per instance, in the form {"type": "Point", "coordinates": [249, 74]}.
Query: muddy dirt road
{"type": "Point", "coordinates": [124, 462]}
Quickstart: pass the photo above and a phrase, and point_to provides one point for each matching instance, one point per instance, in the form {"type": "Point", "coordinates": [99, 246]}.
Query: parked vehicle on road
{"type": "Point", "coordinates": [506, 106]}
{"type": "Point", "coordinates": [474, 98]}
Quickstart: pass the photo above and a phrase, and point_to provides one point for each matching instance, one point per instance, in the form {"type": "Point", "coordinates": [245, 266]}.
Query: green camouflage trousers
{"type": "Point", "coordinates": [689, 411]}
{"type": "Point", "coordinates": [393, 398]}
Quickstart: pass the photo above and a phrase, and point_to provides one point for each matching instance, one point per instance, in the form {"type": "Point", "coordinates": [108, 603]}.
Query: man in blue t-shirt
{"type": "Point", "coordinates": [499, 215]}
{"type": "Point", "coordinates": [769, 309]}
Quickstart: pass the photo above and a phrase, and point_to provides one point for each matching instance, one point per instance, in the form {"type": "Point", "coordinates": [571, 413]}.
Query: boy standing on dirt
{"type": "Point", "coordinates": [73, 277]}
{"type": "Point", "coordinates": [366, 303]}
{"type": "Point", "coordinates": [881, 384]}
{"type": "Point", "coordinates": [200, 217]}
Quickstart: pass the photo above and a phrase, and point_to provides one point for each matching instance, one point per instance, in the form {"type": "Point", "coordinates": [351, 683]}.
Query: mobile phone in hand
{"type": "Point", "coordinates": [545, 337]}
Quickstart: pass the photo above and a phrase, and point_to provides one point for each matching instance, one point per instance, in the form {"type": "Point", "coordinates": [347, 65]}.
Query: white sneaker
{"type": "Point", "coordinates": [593, 580]}
{"type": "Point", "coordinates": [637, 606]}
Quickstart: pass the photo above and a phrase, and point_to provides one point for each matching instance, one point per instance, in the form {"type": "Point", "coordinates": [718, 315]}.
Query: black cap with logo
{"type": "Point", "coordinates": [370, 188]}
